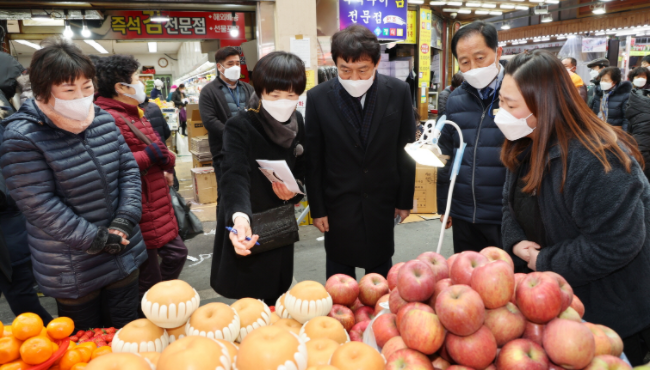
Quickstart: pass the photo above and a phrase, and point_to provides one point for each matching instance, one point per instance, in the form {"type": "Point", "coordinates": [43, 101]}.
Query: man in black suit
{"type": "Point", "coordinates": [359, 178]}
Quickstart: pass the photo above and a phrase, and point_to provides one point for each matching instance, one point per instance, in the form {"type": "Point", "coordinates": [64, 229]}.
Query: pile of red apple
{"type": "Point", "coordinates": [473, 312]}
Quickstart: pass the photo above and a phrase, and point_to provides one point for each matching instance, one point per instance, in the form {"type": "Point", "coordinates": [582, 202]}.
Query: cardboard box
{"type": "Point", "coordinates": [200, 162]}
{"type": "Point", "coordinates": [425, 198]}
{"type": "Point", "coordinates": [195, 124]}
{"type": "Point", "coordinates": [400, 73]}
{"type": "Point", "coordinates": [400, 64]}
{"type": "Point", "coordinates": [383, 71]}
{"type": "Point", "coordinates": [200, 144]}
{"type": "Point", "coordinates": [205, 185]}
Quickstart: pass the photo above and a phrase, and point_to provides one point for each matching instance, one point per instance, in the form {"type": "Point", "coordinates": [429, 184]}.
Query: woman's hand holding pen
{"type": "Point", "coordinates": [243, 246]}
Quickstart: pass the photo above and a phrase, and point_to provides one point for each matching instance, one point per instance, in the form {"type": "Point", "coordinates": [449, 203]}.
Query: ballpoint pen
{"type": "Point", "coordinates": [234, 231]}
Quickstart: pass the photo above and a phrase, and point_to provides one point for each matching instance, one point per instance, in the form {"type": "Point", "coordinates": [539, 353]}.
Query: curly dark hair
{"type": "Point", "coordinates": [613, 72]}
{"type": "Point", "coordinates": [637, 72]}
{"type": "Point", "coordinates": [114, 69]}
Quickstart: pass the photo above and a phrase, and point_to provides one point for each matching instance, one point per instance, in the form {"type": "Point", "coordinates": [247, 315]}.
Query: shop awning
{"type": "Point", "coordinates": [629, 19]}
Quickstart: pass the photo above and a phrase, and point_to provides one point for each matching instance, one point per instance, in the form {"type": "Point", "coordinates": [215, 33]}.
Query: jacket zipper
{"type": "Point", "coordinates": [478, 136]}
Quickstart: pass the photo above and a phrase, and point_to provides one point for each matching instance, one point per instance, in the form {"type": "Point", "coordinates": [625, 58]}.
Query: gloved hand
{"type": "Point", "coordinates": [165, 161]}
{"type": "Point", "coordinates": [122, 225]}
{"type": "Point", "coordinates": [106, 242]}
{"type": "Point", "coordinates": [154, 152]}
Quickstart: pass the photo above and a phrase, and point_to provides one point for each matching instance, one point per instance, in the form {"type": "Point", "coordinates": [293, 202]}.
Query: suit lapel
{"type": "Point", "coordinates": [348, 126]}
{"type": "Point", "coordinates": [383, 98]}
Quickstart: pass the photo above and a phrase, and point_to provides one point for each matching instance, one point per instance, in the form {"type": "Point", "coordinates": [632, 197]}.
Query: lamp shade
{"type": "Point", "coordinates": [426, 154]}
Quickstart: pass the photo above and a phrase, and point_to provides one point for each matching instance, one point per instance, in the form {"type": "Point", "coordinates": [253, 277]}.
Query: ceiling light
{"type": "Point", "coordinates": [153, 47]}
{"type": "Point", "coordinates": [158, 17]}
{"type": "Point", "coordinates": [599, 9]}
{"type": "Point", "coordinates": [465, 11]}
{"type": "Point", "coordinates": [546, 38]}
{"type": "Point", "coordinates": [521, 7]}
{"type": "Point", "coordinates": [455, 3]}
{"type": "Point", "coordinates": [561, 37]}
{"type": "Point", "coordinates": [67, 32]}
{"type": "Point", "coordinates": [30, 44]}
{"type": "Point", "coordinates": [489, 5]}
{"type": "Point", "coordinates": [611, 32]}
{"type": "Point", "coordinates": [552, 1]}
{"type": "Point", "coordinates": [85, 32]}
{"type": "Point", "coordinates": [496, 12]}
{"type": "Point", "coordinates": [507, 6]}
{"type": "Point", "coordinates": [481, 12]}
{"type": "Point", "coordinates": [473, 5]}
{"type": "Point", "coordinates": [541, 9]}
{"type": "Point", "coordinates": [437, 3]}
{"type": "Point", "coordinates": [97, 46]}
{"type": "Point", "coordinates": [536, 1]}
{"type": "Point", "coordinates": [505, 26]}
{"type": "Point", "coordinates": [601, 33]}
{"type": "Point", "coordinates": [415, 2]}
{"type": "Point", "coordinates": [521, 1]}
{"type": "Point", "coordinates": [632, 32]}
{"type": "Point", "coordinates": [450, 10]}
{"type": "Point", "coordinates": [523, 41]}
{"type": "Point", "coordinates": [547, 18]}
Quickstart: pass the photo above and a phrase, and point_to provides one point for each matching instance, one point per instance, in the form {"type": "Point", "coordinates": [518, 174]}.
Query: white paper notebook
{"type": "Point", "coordinates": [278, 171]}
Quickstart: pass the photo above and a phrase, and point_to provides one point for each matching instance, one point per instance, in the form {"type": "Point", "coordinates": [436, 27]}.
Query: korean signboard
{"type": "Point", "coordinates": [130, 25]}
{"type": "Point", "coordinates": [386, 18]}
{"type": "Point", "coordinates": [594, 45]}
{"type": "Point", "coordinates": [411, 28]}
{"type": "Point", "coordinates": [424, 73]}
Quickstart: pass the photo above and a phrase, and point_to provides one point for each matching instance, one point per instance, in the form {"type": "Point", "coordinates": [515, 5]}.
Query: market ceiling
{"type": "Point", "coordinates": [471, 10]}
{"type": "Point", "coordinates": [199, 5]}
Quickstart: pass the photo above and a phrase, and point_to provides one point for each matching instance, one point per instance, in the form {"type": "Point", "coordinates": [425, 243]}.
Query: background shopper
{"type": "Point", "coordinates": [180, 101]}
{"type": "Point", "coordinates": [639, 77]}
{"type": "Point", "coordinates": [560, 213]}
{"type": "Point", "coordinates": [571, 64]}
{"type": "Point", "coordinates": [610, 97]}
{"type": "Point", "coordinates": [10, 70]}
{"type": "Point", "coordinates": [476, 206]}
{"type": "Point", "coordinates": [120, 92]}
{"type": "Point", "coordinates": [645, 62]}
{"type": "Point", "coordinates": [637, 113]}
{"type": "Point", "coordinates": [77, 184]}
{"type": "Point", "coordinates": [456, 81]}
{"type": "Point", "coordinates": [595, 67]}
{"type": "Point", "coordinates": [273, 130]}
{"type": "Point", "coordinates": [156, 92]}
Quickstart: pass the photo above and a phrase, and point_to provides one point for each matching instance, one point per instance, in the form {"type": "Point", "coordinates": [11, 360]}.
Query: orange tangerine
{"type": "Point", "coordinates": [60, 328]}
{"type": "Point", "coordinates": [27, 325]}
{"type": "Point", "coordinates": [85, 353]}
{"type": "Point", "coordinates": [9, 349]}
{"type": "Point", "coordinates": [55, 347]}
{"type": "Point", "coordinates": [16, 365]}
{"type": "Point", "coordinates": [80, 366]}
{"type": "Point", "coordinates": [91, 345]}
{"type": "Point", "coordinates": [101, 351]}
{"type": "Point", "coordinates": [69, 359]}
{"type": "Point", "coordinates": [36, 350]}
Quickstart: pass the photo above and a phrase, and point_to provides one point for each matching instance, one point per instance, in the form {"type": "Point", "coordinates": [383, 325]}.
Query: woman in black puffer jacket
{"type": "Point", "coordinates": [610, 97]}
{"type": "Point", "coordinates": [638, 113]}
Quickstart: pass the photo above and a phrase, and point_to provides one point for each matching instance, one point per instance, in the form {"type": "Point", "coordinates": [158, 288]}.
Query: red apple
{"type": "Point", "coordinates": [569, 344]}
{"type": "Point", "coordinates": [491, 367]}
{"type": "Point", "coordinates": [383, 299]}
{"type": "Point", "coordinates": [356, 305]}
{"type": "Point", "coordinates": [343, 289]}
{"type": "Point", "coordinates": [615, 339]}
{"type": "Point", "coordinates": [422, 331]}
{"type": "Point", "coordinates": [408, 359]}
{"type": "Point", "coordinates": [552, 366]}
{"type": "Point", "coordinates": [570, 314]}
{"type": "Point", "coordinates": [460, 309]}
{"type": "Point", "coordinates": [392, 275]}
{"type": "Point", "coordinates": [603, 344]}
{"type": "Point", "coordinates": [444, 354]}
{"type": "Point", "coordinates": [440, 286]}
{"type": "Point", "coordinates": [451, 260]}
{"type": "Point", "coordinates": [411, 306]}
{"type": "Point", "coordinates": [495, 283]}
{"type": "Point", "coordinates": [522, 354]}
{"type": "Point", "coordinates": [371, 288]}
{"type": "Point", "coordinates": [534, 332]}
{"type": "Point", "coordinates": [459, 367]}
{"type": "Point", "coordinates": [477, 350]}
{"type": "Point", "coordinates": [565, 288]}
{"type": "Point", "coordinates": [577, 305]}
{"type": "Point", "coordinates": [384, 328]}
{"type": "Point", "coordinates": [539, 297]}
{"type": "Point", "coordinates": [518, 278]}
{"type": "Point", "coordinates": [440, 363]}
{"type": "Point", "coordinates": [496, 254]}
{"type": "Point", "coordinates": [393, 345]}
{"type": "Point", "coordinates": [506, 323]}
{"type": "Point", "coordinates": [437, 263]}
{"type": "Point", "coordinates": [344, 315]}
{"type": "Point", "coordinates": [395, 302]}
{"type": "Point", "coordinates": [364, 313]}
{"type": "Point", "coordinates": [415, 281]}
{"type": "Point", "coordinates": [462, 269]}
{"type": "Point", "coordinates": [608, 362]}
{"type": "Point", "coordinates": [356, 333]}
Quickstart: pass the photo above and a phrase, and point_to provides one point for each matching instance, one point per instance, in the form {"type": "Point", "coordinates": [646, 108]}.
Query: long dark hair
{"type": "Point", "coordinates": [562, 115]}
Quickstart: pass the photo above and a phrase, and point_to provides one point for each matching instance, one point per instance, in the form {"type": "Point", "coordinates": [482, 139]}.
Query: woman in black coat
{"type": "Point", "coordinates": [611, 97]}
{"type": "Point", "coordinates": [638, 112]}
{"type": "Point", "coordinates": [560, 212]}
{"type": "Point", "coordinates": [273, 131]}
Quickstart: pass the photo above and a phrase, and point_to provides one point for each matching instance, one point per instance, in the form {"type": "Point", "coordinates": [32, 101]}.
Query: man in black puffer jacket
{"type": "Point", "coordinates": [638, 113]}
{"type": "Point", "coordinates": [158, 121]}
{"type": "Point", "coordinates": [476, 202]}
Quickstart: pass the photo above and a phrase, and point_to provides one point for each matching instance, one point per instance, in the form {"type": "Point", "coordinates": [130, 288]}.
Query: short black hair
{"type": "Point", "coordinates": [574, 62]}
{"type": "Point", "coordinates": [222, 54]}
{"type": "Point", "coordinates": [457, 80]}
{"type": "Point", "coordinates": [646, 59]}
{"type": "Point", "coordinates": [613, 72]}
{"type": "Point", "coordinates": [354, 44]}
{"type": "Point", "coordinates": [638, 71]}
{"type": "Point", "coordinates": [59, 61]}
{"type": "Point", "coordinates": [181, 86]}
{"type": "Point", "coordinates": [486, 29]}
{"type": "Point", "coordinates": [281, 71]}
{"type": "Point", "coordinates": [114, 69]}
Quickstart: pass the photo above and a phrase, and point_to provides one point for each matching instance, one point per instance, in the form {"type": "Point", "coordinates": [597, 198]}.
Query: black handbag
{"type": "Point", "coordinates": [276, 227]}
{"type": "Point", "coordinates": [189, 225]}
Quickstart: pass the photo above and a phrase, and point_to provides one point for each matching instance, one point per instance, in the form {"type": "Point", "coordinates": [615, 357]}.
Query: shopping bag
{"type": "Point", "coordinates": [189, 225]}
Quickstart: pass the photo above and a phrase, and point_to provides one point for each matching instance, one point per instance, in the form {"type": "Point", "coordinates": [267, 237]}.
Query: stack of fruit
{"type": "Point", "coordinates": [101, 337]}
{"type": "Point", "coordinates": [473, 312]}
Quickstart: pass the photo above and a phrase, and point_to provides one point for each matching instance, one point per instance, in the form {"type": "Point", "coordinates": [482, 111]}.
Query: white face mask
{"type": "Point", "coordinates": [605, 85]}
{"type": "Point", "coordinates": [594, 73]}
{"type": "Point", "coordinates": [140, 95]}
{"type": "Point", "coordinates": [513, 128]}
{"type": "Point", "coordinates": [281, 109]}
{"type": "Point", "coordinates": [359, 87]}
{"type": "Point", "coordinates": [77, 109]}
{"type": "Point", "coordinates": [479, 78]}
{"type": "Point", "coordinates": [569, 70]}
{"type": "Point", "coordinates": [233, 73]}
{"type": "Point", "coordinates": [640, 82]}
